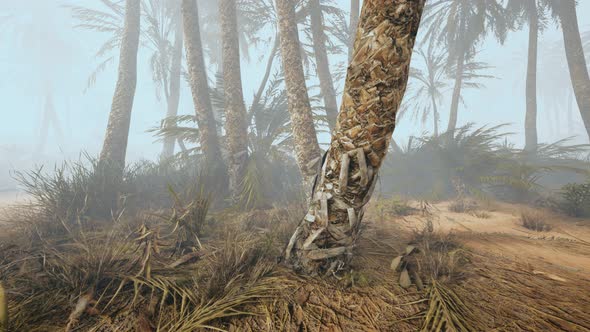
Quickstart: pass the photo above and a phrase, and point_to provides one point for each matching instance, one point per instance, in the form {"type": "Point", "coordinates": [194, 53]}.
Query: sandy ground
{"type": "Point", "coordinates": [563, 250]}
{"type": "Point", "coordinates": [8, 198]}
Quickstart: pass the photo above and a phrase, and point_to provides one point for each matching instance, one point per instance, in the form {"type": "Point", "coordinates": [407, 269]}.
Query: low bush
{"type": "Point", "coordinates": [534, 221]}
{"type": "Point", "coordinates": [576, 200]}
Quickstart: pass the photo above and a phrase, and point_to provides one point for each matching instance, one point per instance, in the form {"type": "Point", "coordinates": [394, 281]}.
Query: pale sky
{"type": "Point", "coordinates": [41, 42]}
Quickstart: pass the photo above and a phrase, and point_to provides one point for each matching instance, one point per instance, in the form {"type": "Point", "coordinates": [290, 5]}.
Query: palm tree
{"type": "Point", "coordinates": [533, 13]}
{"type": "Point", "coordinates": [162, 35]}
{"type": "Point", "coordinates": [173, 94]}
{"type": "Point", "coordinates": [199, 85]}
{"type": "Point", "coordinates": [431, 81]}
{"type": "Point", "coordinates": [323, 65]}
{"type": "Point", "coordinates": [236, 128]}
{"type": "Point", "coordinates": [324, 240]}
{"type": "Point", "coordinates": [47, 53]}
{"type": "Point", "coordinates": [461, 25]}
{"type": "Point", "coordinates": [566, 13]}
{"type": "Point", "coordinates": [114, 147]}
{"type": "Point", "coordinates": [307, 148]}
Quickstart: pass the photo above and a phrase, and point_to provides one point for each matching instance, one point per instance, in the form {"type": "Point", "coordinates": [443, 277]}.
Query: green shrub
{"type": "Point", "coordinates": [576, 199]}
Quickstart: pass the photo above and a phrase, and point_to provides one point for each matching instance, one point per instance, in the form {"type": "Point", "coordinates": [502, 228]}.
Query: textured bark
{"type": "Point", "coordinates": [174, 98]}
{"type": "Point", "coordinates": [530, 123]}
{"type": "Point", "coordinates": [114, 148]}
{"type": "Point", "coordinates": [307, 148]}
{"type": "Point", "coordinates": [322, 63]}
{"type": "Point", "coordinates": [199, 85]}
{"type": "Point", "coordinates": [375, 85]}
{"type": "Point", "coordinates": [575, 58]}
{"type": "Point", "coordinates": [354, 22]}
{"type": "Point", "coordinates": [236, 129]}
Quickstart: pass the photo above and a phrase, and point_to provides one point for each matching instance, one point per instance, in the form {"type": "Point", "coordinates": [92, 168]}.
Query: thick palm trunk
{"type": "Point", "coordinates": [114, 148]}
{"type": "Point", "coordinates": [354, 22]}
{"type": "Point", "coordinates": [375, 85]}
{"type": "Point", "coordinates": [530, 122]}
{"type": "Point", "coordinates": [174, 97]}
{"type": "Point", "coordinates": [199, 86]}
{"type": "Point", "coordinates": [307, 148]}
{"type": "Point", "coordinates": [236, 129]}
{"type": "Point", "coordinates": [322, 63]}
{"type": "Point", "coordinates": [575, 58]}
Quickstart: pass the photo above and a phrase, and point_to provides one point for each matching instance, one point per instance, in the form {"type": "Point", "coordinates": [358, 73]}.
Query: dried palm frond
{"type": "Point", "coordinates": [446, 312]}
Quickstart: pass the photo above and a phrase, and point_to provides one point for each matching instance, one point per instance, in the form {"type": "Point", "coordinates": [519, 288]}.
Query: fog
{"type": "Point", "coordinates": [44, 53]}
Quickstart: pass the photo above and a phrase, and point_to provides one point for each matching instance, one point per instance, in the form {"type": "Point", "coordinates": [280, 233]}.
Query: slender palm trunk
{"type": "Point", "coordinates": [435, 116]}
{"type": "Point", "coordinates": [324, 240]}
{"type": "Point", "coordinates": [49, 120]}
{"type": "Point", "coordinates": [322, 63]}
{"type": "Point", "coordinates": [114, 148]}
{"type": "Point", "coordinates": [461, 57]}
{"type": "Point", "coordinates": [266, 77]}
{"type": "Point", "coordinates": [174, 97]}
{"type": "Point", "coordinates": [307, 148]}
{"type": "Point", "coordinates": [530, 122]}
{"type": "Point", "coordinates": [454, 115]}
{"type": "Point", "coordinates": [199, 85]}
{"type": "Point", "coordinates": [354, 22]}
{"type": "Point", "coordinates": [236, 128]}
{"type": "Point", "coordinates": [575, 58]}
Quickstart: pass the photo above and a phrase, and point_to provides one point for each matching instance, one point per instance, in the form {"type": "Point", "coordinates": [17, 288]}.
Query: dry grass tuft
{"type": "Point", "coordinates": [462, 205]}
{"type": "Point", "coordinates": [534, 221]}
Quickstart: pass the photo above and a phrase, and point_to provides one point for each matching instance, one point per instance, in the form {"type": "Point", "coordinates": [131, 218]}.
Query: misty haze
{"type": "Point", "coordinates": [295, 165]}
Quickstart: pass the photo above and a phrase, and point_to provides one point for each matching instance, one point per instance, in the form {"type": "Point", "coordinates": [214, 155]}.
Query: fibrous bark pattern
{"type": "Point", "coordinates": [198, 82]}
{"type": "Point", "coordinates": [307, 148]}
{"type": "Point", "coordinates": [375, 84]}
{"type": "Point", "coordinates": [236, 129]}
{"type": "Point", "coordinates": [114, 148]}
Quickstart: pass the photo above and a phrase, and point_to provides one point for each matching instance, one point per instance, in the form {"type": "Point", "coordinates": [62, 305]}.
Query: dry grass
{"type": "Point", "coordinates": [138, 272]}
{"type": "Point", "coordinates": [534, 221]}
{"type": "Point", "coordinates": [137, 275]}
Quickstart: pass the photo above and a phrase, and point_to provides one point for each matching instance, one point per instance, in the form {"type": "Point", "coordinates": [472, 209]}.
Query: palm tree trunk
{"type": "Point", "coordinates": [174, 97]}
{"type": "Point", "coordinates": [324, 240]}
{"type": "Point", "coordinates": [461, 57]}
{"type": "Point", "coordinates": [434, 114]}
{"type": "Point", "coordinates": [530, 123]}
{"type": "Point", "coordinates": [114, 148]}
{"type": "Point", "coordinates": [453, 118]}
{"type": "Point", "coordinates": [322, 63]}
{"type": "Point", "coordinates": [199, 85]}
{"type": "Point", "coordinates": [354, 22]}
{"type": "Point", "coordinates": [307, 148]}
{"type": "Point", "coordinates": [236, 128]}
{"type": "Point", "coordinates": [454, 115]}
{"type": "Point", "coordinates": [266, 77]}
{"type": "Point", "coordinates": [575, 58]}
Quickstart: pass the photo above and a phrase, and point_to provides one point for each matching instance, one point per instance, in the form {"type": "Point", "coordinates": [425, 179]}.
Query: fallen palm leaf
{"type": "Point", "coordinates": [446, 311]}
